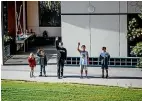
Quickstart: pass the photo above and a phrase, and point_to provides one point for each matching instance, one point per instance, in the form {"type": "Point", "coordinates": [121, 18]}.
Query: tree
{"type": "Point", "coordinates": [135, 33]}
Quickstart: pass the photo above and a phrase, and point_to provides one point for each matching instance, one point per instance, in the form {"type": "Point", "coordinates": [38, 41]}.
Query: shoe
{"type": "Point", "coordinates": [81, 77]}
{"type": "Point", "coordinates": [106, 76]}
{"type": "Point", "coordinates": [40, 75]}
{"type": "Point", "coordinates": [62, 77]}
{"type": "Point", "coordinates": [45, 75]}
{"type": "Point", "coordinates": [102, 76]}
{"type": "Point", "coordinates": [59, 77]}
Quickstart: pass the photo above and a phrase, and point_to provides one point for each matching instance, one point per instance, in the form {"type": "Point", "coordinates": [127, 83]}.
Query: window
{"type": "Point", "coordinates": [49, 13]}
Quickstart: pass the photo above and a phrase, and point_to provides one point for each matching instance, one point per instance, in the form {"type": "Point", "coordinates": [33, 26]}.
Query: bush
{"type": "Point", "coordinates": [139, 64]}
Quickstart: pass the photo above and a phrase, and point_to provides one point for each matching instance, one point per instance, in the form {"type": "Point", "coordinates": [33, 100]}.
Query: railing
{"type": "Point", "coordinates": [6, 52]}
{"type": "Point", "coordinates": [114, 61]}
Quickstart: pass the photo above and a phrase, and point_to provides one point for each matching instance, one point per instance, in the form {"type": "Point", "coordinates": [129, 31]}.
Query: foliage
{"type": "Point", "coordinates": [134, 32]}
{"type": "Point", "coordinates": [139, 64]}
{"type": "Point", "coordinates": [33, 91]}
{"type": "Point", "coordinates": [49, 13]}
{"type": "Point", "coordinates": [7, 39]}
{"type": "Point", "coordinates": [137, 50]}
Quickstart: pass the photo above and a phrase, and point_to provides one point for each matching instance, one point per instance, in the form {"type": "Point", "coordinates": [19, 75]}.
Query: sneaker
{"type": "Point", "coordinates": [81, 77]}
{"type": "Point", "coordinates": [102, 76]}
{"type": "Point", "coordinates": [106, 76]}
{"type": "Point", "coordinates": [45, 75]}
{"type": "Point", "coordinates": [62, 77]}
{"type": "Point", "coordinates": [40, 75]}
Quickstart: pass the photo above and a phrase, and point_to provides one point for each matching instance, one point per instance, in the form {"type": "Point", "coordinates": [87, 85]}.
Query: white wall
{"type": "Point", "coordinates": [95, 31]}
{"type": "Point", "coordinates": [105, 32]}
{"type": "Point", "coordinates": [100, 6]}
{"type": "Point", "coordinates": [33, 21]}
{"type": "Point", "coordinates": [75, 28]}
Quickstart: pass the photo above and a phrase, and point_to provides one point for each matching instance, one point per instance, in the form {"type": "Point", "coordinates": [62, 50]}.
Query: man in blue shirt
{"type": "Point", "coordinates": [104, 58]}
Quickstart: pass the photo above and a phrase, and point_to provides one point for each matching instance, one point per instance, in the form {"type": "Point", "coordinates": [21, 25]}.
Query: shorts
{"type": "Point", "coordinates": [104, 66]}
{"type": "Point", "coordinates": [83, 67]}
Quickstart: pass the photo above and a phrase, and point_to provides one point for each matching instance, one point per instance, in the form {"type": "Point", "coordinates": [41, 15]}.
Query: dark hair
{"type": "Point", "coordinates": [83, 46]}
{"type": "Point", "coordinates": [61, 43]}
{"type": "Point", "coordinates": [103, 48]}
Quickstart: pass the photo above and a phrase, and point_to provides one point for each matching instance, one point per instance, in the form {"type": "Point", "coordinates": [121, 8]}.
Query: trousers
{"type": "Point", "coordinates": [60, 68]}
{"type": "Point", "coordinates": [42, 69]}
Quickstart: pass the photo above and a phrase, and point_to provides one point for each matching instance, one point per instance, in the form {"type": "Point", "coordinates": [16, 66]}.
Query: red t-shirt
{"type": "Point", "coordinates": [32, 62]}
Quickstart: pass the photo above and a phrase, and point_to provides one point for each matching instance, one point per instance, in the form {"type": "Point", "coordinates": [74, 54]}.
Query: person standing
{"type": "Point", "coordinates": [84, 58]}
{"type": "Point", "coordinates": [42, 62]}
{"type": "Point", "coordinates": [104, 58]}
{"type": "Point", "coordinates": [61, 59]}
{"type": "Point", "coordinates": [32, 64]}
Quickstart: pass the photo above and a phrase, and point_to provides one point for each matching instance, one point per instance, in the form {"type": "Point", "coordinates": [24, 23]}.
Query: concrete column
{"type": "Point", "coordinates": [16, 18]}
{"type": "Point", "coordinates": [24, 22]}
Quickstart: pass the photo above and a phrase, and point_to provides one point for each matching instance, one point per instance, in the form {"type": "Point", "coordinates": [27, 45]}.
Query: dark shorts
{"type": "Point", "coordinates": [104, 66]}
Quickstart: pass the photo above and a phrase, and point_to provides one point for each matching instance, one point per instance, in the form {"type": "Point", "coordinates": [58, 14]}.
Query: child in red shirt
{"type": "Point", "coordinates": [32, 64]}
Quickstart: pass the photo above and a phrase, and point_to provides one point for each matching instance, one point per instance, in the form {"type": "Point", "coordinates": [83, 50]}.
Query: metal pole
{"type": "Point", "coordinates": [16, 18]}
{"type": "Point", "coordinates": [24, 28]}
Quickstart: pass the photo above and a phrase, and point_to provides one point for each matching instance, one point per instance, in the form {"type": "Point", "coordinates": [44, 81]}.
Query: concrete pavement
{"type": "Point", "coordinates": [123, 77]}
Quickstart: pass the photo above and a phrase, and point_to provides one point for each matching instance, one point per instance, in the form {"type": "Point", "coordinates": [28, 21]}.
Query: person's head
{"type": "Point", "coordinates": [104, 49]}
{"type": "Point", "coordinates": [83, 47]}
{"type": "Point", "coordinates": [61, 44]}
{"type": "Point", "coordinates": [42, 52]}
{"type": "Point", "coordinates": [31, 54]}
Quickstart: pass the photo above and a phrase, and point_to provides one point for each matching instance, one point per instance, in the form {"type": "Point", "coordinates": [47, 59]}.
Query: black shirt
{"type": "Point", "coordinates": [61, 53]}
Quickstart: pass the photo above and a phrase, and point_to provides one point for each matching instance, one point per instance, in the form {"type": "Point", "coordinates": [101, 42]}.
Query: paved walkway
{"type": "Point", "coordinates": [124, 77]}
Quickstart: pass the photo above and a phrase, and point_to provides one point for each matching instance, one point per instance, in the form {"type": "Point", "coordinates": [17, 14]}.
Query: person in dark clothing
{"type": "Point", "coordinates": [61, 59]}
{"type": "Point", "coordinates": [104, 58]}
{"type": "Point", "coordinates": [42, 61]}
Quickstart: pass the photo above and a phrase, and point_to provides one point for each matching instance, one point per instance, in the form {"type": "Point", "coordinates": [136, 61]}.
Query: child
{"type": "Point", "coordinates": [83, 59]}
{"type": "Point", "coordinates": [42, 62]}
{"type": "Point", "coordinates": [32, 64]}
{"type": "Point", "coordinates": [104, 58]}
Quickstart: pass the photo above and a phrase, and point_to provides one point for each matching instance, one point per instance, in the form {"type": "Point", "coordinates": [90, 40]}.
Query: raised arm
{"type": "Point", "coordinates": [65, 53]}
{"type": "Point", "coordinates": [78, 47]}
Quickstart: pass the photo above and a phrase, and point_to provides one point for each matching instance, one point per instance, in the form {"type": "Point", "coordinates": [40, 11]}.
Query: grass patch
{"type": "Point", "coordinates": [33, 91]}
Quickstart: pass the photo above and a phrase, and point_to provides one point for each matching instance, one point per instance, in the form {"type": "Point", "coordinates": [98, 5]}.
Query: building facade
{"type": "Point", "coordinates": [97, 24]}
{"type": "Point", "coordinates": [92, 23]}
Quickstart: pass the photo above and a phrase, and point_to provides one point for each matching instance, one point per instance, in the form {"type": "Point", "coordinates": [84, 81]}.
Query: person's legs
{"type": "Point", "coordinates": [31, 72]}
{"type": "Point", "coordinates": [86, 71]}
{"type": "Point", "coordinates": [44, 70]}
{"type": "Point", "coordinates": [102, 71]}
{"type": "Point", "coordinates": [81, 70]}
{"type": "Point", "coordinates": [58, 69]}
{"type": "Point", "coordinates": [62, 67]}
{"type": "Point", "coordinates": [106, 73]}
{"type": "Point", "coordinates": [40, 70]}
{"type": "Point", "coordinates": [106, 68]}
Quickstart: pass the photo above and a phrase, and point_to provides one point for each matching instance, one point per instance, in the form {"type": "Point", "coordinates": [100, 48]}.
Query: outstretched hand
{"type": "Point", "coordinates": [78, 43]}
